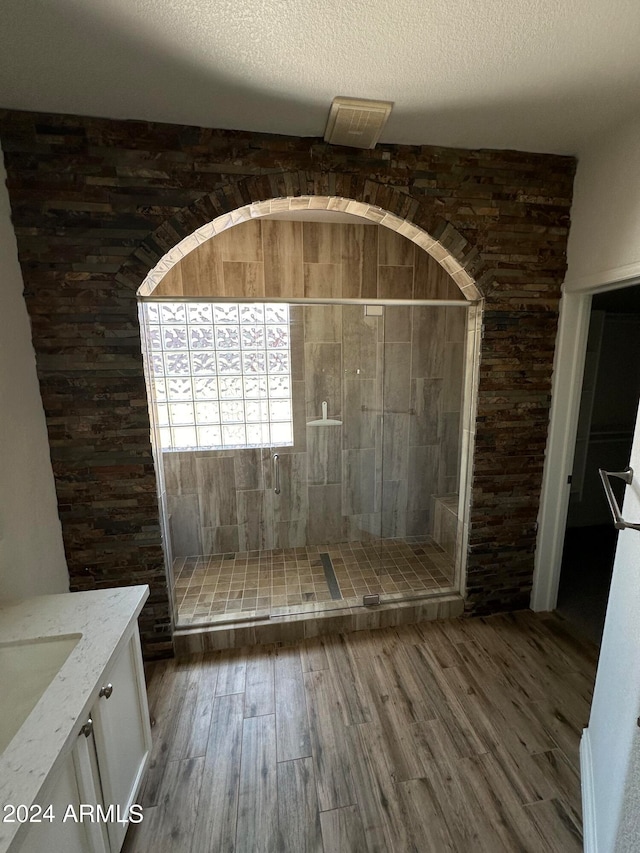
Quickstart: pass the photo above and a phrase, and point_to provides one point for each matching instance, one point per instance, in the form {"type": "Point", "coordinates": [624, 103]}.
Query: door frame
{"type": "Point", "coordinates": [568, 372]}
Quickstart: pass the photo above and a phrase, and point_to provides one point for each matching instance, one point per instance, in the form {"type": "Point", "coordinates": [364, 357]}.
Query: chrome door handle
{"type": "Point", "coordinates": [276, 473]}
{"type": "Point", "coordinates": [106, 691]}
{"type": "Point", "coordinates": [626, 476]}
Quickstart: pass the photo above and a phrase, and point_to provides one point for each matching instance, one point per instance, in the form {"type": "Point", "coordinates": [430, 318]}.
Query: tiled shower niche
{"type": "Point", "coordinates": [393, 381]}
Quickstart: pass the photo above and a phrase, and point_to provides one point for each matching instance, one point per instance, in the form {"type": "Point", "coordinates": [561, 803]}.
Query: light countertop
{"type": "Point", "coordinates": [105, 620]}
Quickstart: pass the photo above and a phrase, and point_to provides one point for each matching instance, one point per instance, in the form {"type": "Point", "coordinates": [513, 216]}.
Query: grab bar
{"type": "Point", "coordinates": [276, 473]}
{"type": "Point", "coordinates": [626, 476]}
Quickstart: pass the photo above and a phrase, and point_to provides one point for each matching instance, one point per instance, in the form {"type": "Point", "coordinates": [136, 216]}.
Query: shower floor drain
{"type": "Point", "coordinates": [370, 600]}
{"type": "Point", "coordinates": [330, 576]}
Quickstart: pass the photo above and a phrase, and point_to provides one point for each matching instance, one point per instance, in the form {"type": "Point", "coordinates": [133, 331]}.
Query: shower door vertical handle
{"type": "Point", "coordinates": [276, 473]}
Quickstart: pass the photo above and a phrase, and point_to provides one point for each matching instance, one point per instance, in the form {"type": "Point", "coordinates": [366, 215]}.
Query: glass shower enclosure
{"type": "Point", "coordinates": [308, 453]}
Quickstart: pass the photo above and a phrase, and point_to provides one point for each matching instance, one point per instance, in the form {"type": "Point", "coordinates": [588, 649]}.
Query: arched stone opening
{"type": "Point", "coordinates": [444, 251]}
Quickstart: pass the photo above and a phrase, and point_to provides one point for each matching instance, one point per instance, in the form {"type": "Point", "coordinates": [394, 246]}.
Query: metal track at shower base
{"type": "Point", "coordinates": [349, 604]}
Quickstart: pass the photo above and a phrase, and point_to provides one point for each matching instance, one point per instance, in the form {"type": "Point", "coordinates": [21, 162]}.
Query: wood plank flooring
{"type": "Point", "coordinates": [459, 735]}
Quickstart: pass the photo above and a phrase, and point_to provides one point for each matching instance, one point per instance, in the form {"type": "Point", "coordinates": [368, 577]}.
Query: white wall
{"type": "Point", "coordinates": [32, 558]}
{"type": "Point", "coordinates": [604, 241]}
{"type": "Point", "coordinates": [604, 247]}
{"type": "Point", "coordinates": [612, 739]}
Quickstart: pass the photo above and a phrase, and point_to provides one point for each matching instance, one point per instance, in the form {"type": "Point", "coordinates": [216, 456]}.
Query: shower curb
{"type": "Point", "coordinates": [286, 629]}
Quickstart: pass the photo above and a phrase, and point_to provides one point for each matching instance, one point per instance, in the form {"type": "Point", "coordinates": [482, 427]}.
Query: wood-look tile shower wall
{"type": "Point", "coordinates": [322, 260]}
{"type": "Point", "coordinates": [394, 381]}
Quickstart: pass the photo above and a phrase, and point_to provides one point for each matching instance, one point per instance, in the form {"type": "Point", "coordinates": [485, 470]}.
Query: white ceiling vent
{"type": "Point", "coordinates": [356, 122]}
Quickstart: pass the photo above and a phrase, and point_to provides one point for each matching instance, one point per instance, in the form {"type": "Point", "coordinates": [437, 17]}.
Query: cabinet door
{"type": "Point", "coordinates": [122, 738]}
{"type": "Point", "coordinates": [70, 835]}
{"type": "Point", "coordinates": [90, 790]}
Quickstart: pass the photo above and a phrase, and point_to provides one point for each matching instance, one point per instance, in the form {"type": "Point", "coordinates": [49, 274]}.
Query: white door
{"type": "Point", "coordinates": [610, 747]}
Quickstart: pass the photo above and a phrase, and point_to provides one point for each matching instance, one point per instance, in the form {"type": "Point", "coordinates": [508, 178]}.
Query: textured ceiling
{"type": "Point", "coordinates": [539, 75]}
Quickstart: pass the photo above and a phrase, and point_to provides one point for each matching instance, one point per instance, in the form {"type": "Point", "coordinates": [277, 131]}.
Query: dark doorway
{"type": "Point", "coordinates": [608, 407]}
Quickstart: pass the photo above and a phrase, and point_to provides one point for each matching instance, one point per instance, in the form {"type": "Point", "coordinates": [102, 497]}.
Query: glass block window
{"type": "Point", "coordinates": [220, 373]}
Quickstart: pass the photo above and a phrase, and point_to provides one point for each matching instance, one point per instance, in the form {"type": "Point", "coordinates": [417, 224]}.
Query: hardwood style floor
{"type": "Point", "coordinates": [459, 735]}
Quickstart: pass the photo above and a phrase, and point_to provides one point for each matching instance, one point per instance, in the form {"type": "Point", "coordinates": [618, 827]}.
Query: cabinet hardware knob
{"type": "Point", "coordinates": [106, 691]}
{"type": "Point", "coordinates": [87, 728]}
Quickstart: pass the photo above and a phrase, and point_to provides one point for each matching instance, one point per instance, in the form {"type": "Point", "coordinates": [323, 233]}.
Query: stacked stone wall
{"type": "Point", "coordinates": [96, 203]}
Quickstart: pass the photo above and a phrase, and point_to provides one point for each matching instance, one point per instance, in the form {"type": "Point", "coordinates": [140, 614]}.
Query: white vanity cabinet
{"type": "Point", "coordinates": [122, 737]}
{"type": "Point", "coordinates": [58, 834]}
{"type": "Point", "coordinates": [104, 767]}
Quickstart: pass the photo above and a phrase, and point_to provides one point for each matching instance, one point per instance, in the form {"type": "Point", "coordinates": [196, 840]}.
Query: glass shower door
{"type": "Point", "coordinates": [311, 453]}
{"type": "Point", "coordinates": [383, 399]}
{"type": "Point", "coordinates": [331, 471]}
{"type": "Point", "coordinates": [220, 394]}
{"type": "Point", "coordinates": [423, 366]}
{"type": "Point", "coordinates": [371, 502]}
{"type": "Point", "coordinates": [321, 487]}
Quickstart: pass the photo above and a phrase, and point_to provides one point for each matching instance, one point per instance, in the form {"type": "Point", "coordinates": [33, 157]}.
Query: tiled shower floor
{"type": "Point", "coordinates": [257, 583]}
